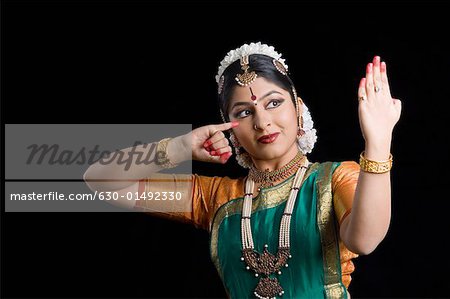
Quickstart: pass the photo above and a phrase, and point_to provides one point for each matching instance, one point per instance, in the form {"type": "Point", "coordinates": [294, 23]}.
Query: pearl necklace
{"type": "Point", "coordinates": [266, 263]}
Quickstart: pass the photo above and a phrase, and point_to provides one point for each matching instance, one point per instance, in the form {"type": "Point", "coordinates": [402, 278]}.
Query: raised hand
{"type": "Point", "coordinates": [209, 143]}
{"type": "Point", "coordinates": [378, 111]}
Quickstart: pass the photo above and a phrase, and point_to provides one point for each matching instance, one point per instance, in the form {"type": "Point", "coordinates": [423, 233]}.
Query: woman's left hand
{"type": "Point", "coordinates": [378, 111]}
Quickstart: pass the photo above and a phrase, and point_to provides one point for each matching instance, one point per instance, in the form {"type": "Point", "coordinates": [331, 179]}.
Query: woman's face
{"type": "Point", "coordinates": [274, 113]}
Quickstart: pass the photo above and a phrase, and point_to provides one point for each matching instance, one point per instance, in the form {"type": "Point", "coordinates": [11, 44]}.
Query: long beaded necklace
{"type": "Point", "coordinates": [266, 263]}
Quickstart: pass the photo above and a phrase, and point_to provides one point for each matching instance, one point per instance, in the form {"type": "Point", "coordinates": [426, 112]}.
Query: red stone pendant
{"type": "Point", "coordinates": [268, 288]}
{"type": "Point", "coordinates": [266, 264]}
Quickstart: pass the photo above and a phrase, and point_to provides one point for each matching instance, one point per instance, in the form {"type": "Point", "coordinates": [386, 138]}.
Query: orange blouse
{"type": "Point", "coordinates": [201, 196]}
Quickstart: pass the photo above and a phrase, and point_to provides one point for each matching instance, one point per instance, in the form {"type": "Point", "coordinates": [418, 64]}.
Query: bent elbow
{"type": "Point", "coordinates": [87, 179]}
{"type": "Point", "coordinates": [365, 250]}
{"type": "Point", "coordinates": [362, 248]}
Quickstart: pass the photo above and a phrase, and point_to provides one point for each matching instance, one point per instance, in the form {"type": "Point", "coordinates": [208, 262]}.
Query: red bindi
{"type": "Point", "coordinates": [253, 97]}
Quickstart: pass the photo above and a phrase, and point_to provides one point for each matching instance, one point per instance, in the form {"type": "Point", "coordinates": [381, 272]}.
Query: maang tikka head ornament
{"type": "Point", "coordinates": [307, 134]}
{"type": "Point", "coordinates": [247, 77]}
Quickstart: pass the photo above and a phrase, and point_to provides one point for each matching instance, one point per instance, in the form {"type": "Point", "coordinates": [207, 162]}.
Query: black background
{"type": "Point", "coordinates": [142, 62]}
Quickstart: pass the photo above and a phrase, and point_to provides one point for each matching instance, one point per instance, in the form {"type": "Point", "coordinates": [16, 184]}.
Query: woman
{"type": "Point", "coordinates": [290, 227]}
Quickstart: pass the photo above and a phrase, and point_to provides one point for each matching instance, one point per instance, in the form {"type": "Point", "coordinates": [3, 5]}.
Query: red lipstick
{"type": "Point", "coordinates": [268, 138]}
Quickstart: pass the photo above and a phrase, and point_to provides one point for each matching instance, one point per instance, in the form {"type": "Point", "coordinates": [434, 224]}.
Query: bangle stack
{"type": "Point", "coordinates": [375, 166]}
{"type": "Point", "coordinates": [162, 157]}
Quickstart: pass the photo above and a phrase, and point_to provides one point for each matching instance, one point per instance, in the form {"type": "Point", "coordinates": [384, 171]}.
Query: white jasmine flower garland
{"type": "Point", "coordinates": [253, 48]}
{"type": "Point", "coordinates": [306, 141]}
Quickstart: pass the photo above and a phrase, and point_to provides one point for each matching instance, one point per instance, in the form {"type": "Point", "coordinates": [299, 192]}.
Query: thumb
{"type": "Point", "coordinates": [397, 104]}
{"type": "Point", "coordinates": [222, 127]}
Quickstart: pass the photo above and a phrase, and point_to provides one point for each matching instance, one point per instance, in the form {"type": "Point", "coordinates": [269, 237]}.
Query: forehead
{"type": "Point", "coordinates": [260, 87]}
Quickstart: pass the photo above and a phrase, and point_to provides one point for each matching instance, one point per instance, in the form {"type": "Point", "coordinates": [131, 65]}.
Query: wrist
{"type": "Point", "coordinates": [377, 151]}
{"type": "Point", "coordinates": [178, 151]}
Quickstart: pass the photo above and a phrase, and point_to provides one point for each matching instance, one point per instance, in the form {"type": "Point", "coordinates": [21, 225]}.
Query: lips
{"type": "Point", "coordinates": [268, 138]}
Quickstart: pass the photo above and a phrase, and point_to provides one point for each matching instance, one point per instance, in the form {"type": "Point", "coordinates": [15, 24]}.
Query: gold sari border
{"type": "Point", "coordinates": [326, 222]}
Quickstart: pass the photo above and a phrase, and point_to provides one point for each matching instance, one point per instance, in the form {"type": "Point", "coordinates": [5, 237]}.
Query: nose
{"type": "Point", "coordinates": [262, 121]}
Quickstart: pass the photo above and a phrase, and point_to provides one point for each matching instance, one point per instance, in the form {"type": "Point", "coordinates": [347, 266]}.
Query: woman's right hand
{"type": "Point", "coordinates": [209, 143]}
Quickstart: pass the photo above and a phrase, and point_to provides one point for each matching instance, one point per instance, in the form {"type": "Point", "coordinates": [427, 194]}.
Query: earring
{"type": "Point", "coordinates": [242, 157]}
{"type": "Point", "coordinates": [235, 143]}
{"type": "Point", "coordinates": [300, 132]}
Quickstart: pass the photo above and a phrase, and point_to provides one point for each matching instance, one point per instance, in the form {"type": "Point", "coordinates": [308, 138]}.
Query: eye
{"type": "Point", "coordinates": [276, 103]}
{"type": "Point", "coordinates": [242, 114]}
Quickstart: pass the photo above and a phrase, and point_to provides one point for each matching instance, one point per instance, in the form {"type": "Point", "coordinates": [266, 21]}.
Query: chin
{"type": "Point", "coordinates": [270, 151]}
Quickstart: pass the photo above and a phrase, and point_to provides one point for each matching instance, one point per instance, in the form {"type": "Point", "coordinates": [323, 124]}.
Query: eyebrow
{"type": "Point", "coordinates": [250, 103]}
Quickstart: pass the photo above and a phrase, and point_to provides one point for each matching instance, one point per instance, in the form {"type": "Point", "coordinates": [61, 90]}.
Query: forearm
{"type": "Point", "coordinates": [371, 211]}
{"type": "Point", "coordinates": [369, 220]}
{"type": "Point", "coordinates": [132, 164]}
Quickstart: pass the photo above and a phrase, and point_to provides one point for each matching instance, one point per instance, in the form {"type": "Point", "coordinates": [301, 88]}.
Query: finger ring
{"type": "Point", "coordinates": [377, 89]}
{"type": "Point", "coordinates": [362, 98]}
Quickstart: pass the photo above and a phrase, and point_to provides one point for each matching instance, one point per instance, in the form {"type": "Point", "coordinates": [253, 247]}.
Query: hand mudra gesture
{"type": "Point", "coordinates": [378, 111]}
{"type": "Point", "coordinates": [209, 143]}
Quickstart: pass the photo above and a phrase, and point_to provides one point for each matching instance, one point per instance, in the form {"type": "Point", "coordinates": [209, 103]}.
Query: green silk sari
{"type": "Point", "coordinates": [314, 270]}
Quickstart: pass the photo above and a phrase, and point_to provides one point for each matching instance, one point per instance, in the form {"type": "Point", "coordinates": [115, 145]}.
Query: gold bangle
{"type": "Point", "coordinates": [375, 166]}
{"type": "Point", "coordinates": [161, 156]}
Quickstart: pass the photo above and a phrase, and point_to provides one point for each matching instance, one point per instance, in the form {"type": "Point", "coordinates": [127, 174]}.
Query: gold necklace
{"type": "Point", "coordinates": [266, 263]}
{"type": "Point", "coordinates": [267, 178]}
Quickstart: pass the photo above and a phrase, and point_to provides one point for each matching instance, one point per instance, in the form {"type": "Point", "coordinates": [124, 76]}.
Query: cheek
{"type": "Point", "coordinates": [289, 127]}
{"type": "Point", "coordinates": [243, 134]}
{"type": "Point", "coordinates": [288, 120]}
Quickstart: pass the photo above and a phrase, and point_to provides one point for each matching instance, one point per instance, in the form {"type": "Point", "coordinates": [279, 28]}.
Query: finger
{"type": "Point", "coordinates": [376, 74]}
{"type": "Point", "coordinates": [397, 104]}
{"type": "Point", "coordinates": [220, 159]}
{"type": "Point", "coordinates": [214, 159]}
{"type": "Point", "coordinates": [219, 144]}
{"type": "Point", "coordinates": [218, 135]}
{"type": "Point", "coordinates": [362, 90]}
{"type": "Point", "coordinates": [384, 78]}
{"type": "Point", "coordinates": [369, 80]}
{"type": "Point", "coordinates": [224, 158]}
{"type": "Point", "coordinates": [213, 129]}
{"type": "Point", "coordinates": [221, 151]}
{"type": "Point", "coordinates": [222, 127]}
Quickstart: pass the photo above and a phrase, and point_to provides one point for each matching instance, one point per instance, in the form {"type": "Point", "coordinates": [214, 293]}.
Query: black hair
{"type": "Point", "coordinates": [264, 67]}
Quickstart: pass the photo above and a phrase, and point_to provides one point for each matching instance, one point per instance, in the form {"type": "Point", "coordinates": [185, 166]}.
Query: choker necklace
{"type": "Point", "coordinates": [266, 263]}
{"type": "Point", "coordinates": [267, 178]}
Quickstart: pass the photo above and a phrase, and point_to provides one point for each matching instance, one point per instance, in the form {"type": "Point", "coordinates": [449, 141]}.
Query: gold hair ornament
{"type": "Point", "coordinates": [279, 66]}
{"type": "Point", "coordinates": [220, 84]}
{"type": "Point", "coordinates": [247, 77]}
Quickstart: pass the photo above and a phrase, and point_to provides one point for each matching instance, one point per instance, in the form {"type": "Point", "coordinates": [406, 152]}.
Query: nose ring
{"type": "Point", "coordinates": [256, 128]}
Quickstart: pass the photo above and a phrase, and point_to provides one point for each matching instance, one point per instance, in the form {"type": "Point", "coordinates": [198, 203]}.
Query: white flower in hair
{"type": "Point", "coordinates": [248, 49]}
{"type": "Point", "coordinates": [306, 141]}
